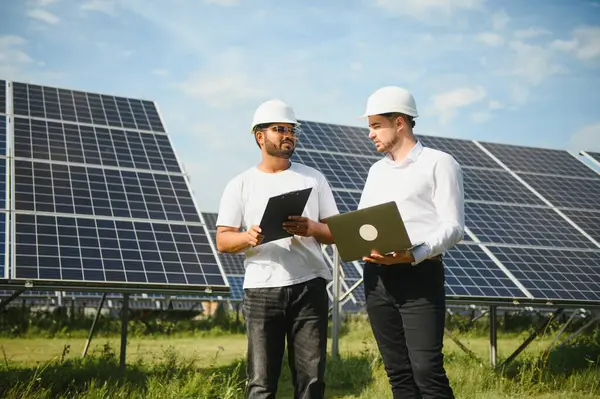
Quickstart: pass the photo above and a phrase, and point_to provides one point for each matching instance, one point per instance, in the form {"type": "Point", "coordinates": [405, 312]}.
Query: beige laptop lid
{"type": "Point", "coordinates": [358, 233]}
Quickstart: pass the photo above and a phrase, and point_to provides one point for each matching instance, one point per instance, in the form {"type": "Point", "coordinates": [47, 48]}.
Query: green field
{"type": "Point", "coordinates": [211, 366]}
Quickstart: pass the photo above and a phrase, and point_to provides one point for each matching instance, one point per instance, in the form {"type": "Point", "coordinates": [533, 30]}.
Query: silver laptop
{"type": "Point", "coordinates": [358, 233]}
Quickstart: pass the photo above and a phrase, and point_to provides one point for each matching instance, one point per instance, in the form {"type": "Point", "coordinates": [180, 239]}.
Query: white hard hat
{"type": "Point", "coordinates": [273, 111]}
{"type": "Point", "coordinates": [391, 99]}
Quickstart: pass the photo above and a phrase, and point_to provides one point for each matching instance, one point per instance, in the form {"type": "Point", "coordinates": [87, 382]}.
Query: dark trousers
{"type": "Point", "coordinates": [300, 313]}
{"type": "Point", "coordinates": [406, 308]}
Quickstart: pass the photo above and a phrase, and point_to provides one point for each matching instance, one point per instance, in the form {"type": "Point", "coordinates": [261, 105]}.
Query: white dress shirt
{"type": "Point", "coordinates": [427, 186]}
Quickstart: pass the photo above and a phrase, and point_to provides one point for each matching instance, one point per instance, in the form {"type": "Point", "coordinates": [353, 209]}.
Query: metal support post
{"type": "Point", "coordinates": [335, 315]}
{"type": "Point", "coordinates": [93, 328]}
{"type": "Point", "coordinates": [493, 336]}
{"type": "Point", "coordinates": [533, 335]}
{"type": "Point", "coordinates": [124, 320]}
{"type": "Point", "coordinates": [10, 298]}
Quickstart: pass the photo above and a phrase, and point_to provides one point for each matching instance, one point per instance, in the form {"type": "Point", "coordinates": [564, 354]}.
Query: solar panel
{"type": "Point", "coordinates": [210, 219]}
{"type": "Point", "coordinates": [501, 211]}
{"type": "Point", "coordinates": [497, 186]}
{"type": "Point", "coordinates": [471, 273]}
{"type": "Point", "coordinates": [567, 192]}
{"type": "Point", "coordinates": [237, 291]}
{"type": "Point", "coordinates": [3, 107]}
{"type": "Point", "coordinates": [346, 200]}
{"type": "Point", "coordinates": [559, 275]}
{"type": "Point", "coordinates": [66, 188]}
{"type": "Point", "coordinates": [539, 160]}
{"type": "Point", "coordinates": [85, 108]}
{"type": "Point", "coordinates": [521, 225]}
{"type": "Point", "coordinates": [465, 152]}
{"type": "Point", "coordinates": [100, 199]}
{"type": "Point", "coordinates": [588, 221]}
{"type": "Point", "coordinates": [329, 137]}
{"type": "Point", "coordinates": [3, 136]}
{"type": "Point", "coordinates": [92, 145]}
{"type": "Point", "coordinates": [344, 172]}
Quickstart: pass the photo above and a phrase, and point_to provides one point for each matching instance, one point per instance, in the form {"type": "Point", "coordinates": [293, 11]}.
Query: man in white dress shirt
{"type": "Point", "coordinates": [285, 293]}
{"type": "Point", "coordinates": [404, 290]}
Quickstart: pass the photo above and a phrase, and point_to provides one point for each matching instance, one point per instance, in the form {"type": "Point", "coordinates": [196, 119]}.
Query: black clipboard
{"type": "Point", "coordinates": [278, 209]}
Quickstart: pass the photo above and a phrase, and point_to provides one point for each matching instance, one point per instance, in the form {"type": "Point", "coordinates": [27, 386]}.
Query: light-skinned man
{"type": "Point", "coordinates": [404, 290]}
{"type": "Point", "coordinates": [285, 280]}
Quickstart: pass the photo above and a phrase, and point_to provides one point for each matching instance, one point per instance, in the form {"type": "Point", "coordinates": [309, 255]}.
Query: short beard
{"type": "Point", "coordinates": [388, 146]}
{"type": "Point", "coordinates": [277, 151]}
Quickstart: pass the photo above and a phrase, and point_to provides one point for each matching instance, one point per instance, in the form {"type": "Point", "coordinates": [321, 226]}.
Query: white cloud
{"type": "Point", "coordinates": [429, 10]}
{"type": "Point", "coordinates": [43, 15]}
{"type": "Point", "coordinates": [13, 57]}
{"type": "Point", "coordinates": [585, 43]}
{"type": "Point", "coordinates": [533, 63]}
{"type": "Point", "coordinates": [587, 138]}
{"type": "Point", "coordinates": [160, 72]}
{"type": "Point", "coordinates": [104, 6]}
{"type": "Point", "coordinates": [500, 19]}
{"type": "Point", "coordinates": [531, 33]}
{"type": "Point", "coordinates": [224, 83]}
{"type": "Point", "coordinates": [445, 105]}
{"type": "Point", "coordinates": [490, 39]}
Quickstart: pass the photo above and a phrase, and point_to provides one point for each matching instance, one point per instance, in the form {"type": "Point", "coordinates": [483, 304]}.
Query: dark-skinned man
{"type": "Point", "coordinates": [285, 280]}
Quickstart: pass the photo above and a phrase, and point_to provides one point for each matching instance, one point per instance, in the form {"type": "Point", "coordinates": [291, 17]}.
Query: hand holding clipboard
{"type": "Point", "coordinates": [276, 223]}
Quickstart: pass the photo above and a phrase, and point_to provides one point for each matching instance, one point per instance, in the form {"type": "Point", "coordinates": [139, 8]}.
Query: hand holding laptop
{"type": "Point", "coordinates": [405, 256]}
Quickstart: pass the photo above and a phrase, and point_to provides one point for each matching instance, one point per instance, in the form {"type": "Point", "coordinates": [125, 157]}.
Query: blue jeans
{"type": "Point", "coordinates": [299, 313]}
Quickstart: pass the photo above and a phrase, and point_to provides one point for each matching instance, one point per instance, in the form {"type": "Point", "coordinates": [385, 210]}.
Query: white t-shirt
{"type": "Point", "coordinates": [286, 261]}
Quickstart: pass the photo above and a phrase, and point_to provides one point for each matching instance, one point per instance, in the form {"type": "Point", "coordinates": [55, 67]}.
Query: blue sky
{"type": "Point", "coordinates": [519, 72]}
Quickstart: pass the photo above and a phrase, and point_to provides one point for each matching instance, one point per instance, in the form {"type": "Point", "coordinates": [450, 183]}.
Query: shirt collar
{"type": "Point", "coordinates": [411, 157]}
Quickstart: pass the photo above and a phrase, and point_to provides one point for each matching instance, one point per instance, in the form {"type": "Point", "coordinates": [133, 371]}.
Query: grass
{"type": "Point", "coordinates": [213, 367]}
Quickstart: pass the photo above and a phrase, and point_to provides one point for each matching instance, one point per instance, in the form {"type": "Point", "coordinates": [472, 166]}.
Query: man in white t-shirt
{"type": "Point", "coordinates": [404, 290]}
{"type": "Point", "coordinates": [285, 281]}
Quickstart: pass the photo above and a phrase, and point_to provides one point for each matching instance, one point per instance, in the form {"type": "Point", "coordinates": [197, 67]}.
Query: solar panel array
{"type": "Point", "coordinates": [519, 247]}
{"type": "Point", "coordinates": [99, 197]}
{"type": "Point", "coordinates": [233, 264]}
{"type": "Point", "coordinates": [3, 183]}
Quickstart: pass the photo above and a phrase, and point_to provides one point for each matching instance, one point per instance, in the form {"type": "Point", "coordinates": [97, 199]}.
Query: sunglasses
{"type": "Point", "coordinates": [285, 130]}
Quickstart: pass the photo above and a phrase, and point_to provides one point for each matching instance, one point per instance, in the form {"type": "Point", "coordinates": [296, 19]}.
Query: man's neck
{"type": "Point", "coordinates": [271, 164]}
{"type": "Point", "coordinates": [401, 150]}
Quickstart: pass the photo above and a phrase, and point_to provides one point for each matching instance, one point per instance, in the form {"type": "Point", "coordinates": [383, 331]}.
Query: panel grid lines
{"type": "Point", "coordinates": [98, 176]}
{"type": "Point", "coordinates": [3, 104]}
{"type": "Point", "coordinates": [539, 160]}
{"type": "Point", "coordinates": [3, 135]}
{"type": "Point", "coordinates": [500, 210]}
{"type": "Point", "coordinates": [75, 106]}
{"type": "Point", "coordinates": [517, 225]}
{"type": "Point", "coordinates": [348, 172]}
{"type": "Point", "coordinates": [93, 250]}
{"type": "Point", "coordinates": [67, 142]}
{"type": "Point", "coordinates": [559, 275]}
{"type": "Point", "coordinates": [471, 273]}
{"type": "Point", "coordinates": [50, 187]}
{"type": "Point", "coordinates": [566, 193]}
